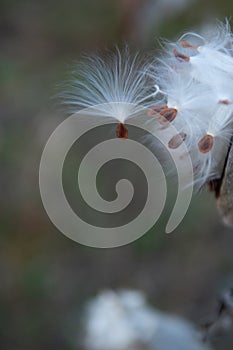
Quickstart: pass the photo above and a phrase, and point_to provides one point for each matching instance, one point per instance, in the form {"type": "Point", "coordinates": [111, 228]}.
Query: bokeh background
{"type": "Point", "coordinates": [45, 278]}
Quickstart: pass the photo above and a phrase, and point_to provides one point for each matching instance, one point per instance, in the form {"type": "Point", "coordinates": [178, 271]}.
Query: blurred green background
{"type": "Point", "coordinates": [45, 278]}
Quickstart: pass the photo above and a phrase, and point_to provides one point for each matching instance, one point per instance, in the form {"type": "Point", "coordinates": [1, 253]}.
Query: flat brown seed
{"type": "Point", "coordinates": [206, 143]}
{"type": "Point", "coordinates": [177, 140]}
{"type": "Point", "coordinates": [180, 56]}
{"type": "Point", "coordinates": [121, 131]}
{"type": "Point", "coordinates": [168, 115]}
{"type": "Point", "coordinates": [186, 45]}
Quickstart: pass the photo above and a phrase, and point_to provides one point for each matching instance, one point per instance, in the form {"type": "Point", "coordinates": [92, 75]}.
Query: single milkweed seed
{"type": "Point", "coordinates": [121, 131]}
{"type": "Point", "coordinates": [177, 140]}
{"type": "Point", "coordinates": [167, 115]}
{"type": "Point", "coordinates": [181, 56]}
{"type": "Point", "coordinates": [206, 143]}
{"type": "Point", "coordinates": [185, 44]}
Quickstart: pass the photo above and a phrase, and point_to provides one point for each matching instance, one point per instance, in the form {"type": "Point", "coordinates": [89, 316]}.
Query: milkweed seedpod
{"type": "Point", "coordinates": [225, 191]}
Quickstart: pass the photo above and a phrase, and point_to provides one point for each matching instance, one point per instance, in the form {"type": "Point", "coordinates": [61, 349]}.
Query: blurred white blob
{"type": "Point", "coordinates": [124, 321]}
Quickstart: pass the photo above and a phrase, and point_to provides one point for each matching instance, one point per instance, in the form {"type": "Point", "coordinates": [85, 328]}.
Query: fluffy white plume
{"type": "Point", "coordinates": [119, 80]}
{"type": "Point", "coordinates": [190, 86]}
{"type": "Point", "coordinates": [124, 321]}
{"type": "Point", "coordinates": [195, 78]}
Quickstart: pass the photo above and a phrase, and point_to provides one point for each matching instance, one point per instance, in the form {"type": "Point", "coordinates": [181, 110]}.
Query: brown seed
{"type": "Point", "coordinates": [121, 131]}
{"type": "Point", "coordinates": [185, 44]}
{"type": "Point", "coordinates": [180, 56]}
{"type": "Point", "coordinates": [206, 143]}
{"type": "Point", "coordinates": [167, 115]}
{"type": "Point", "coordinates": [153, 111]}
{"type": "Point", "coordinates": [177, 140]}
{"type": "Point", "coordinates": [224, 102]}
